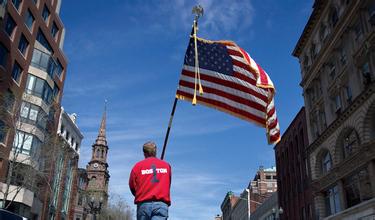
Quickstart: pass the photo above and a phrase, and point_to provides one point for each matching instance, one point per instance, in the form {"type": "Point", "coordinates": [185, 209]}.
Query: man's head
{"type": "Point", "coordinates": [149, 149]}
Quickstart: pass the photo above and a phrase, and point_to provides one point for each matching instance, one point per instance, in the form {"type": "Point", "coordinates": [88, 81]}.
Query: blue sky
{"type": "Point", "coordinates": [131, 53]}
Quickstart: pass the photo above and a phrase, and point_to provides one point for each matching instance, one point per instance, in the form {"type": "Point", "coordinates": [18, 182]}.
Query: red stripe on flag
{"type": "Point", "coordinates": [246, 115]}
{"type": "Point", "coordinates": [247, 102]}
{"type": "Point", "coordinates": [244, 66]}
{"type": "Point", "coordinates": [273, 124]}
{"type": "Point", "coordinates": [226, 83]}
{"type": "Point", "coordinates": [262, 75]}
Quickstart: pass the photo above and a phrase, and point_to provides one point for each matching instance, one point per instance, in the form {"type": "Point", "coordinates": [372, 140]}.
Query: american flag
{"type": "Point", "coordinates": [232, 82]}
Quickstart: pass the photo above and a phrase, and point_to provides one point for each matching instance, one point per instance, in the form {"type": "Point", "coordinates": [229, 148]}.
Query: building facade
{"type": "Point", "coordinates": [268, 210]}
{"type": "Point", "coordinates": [81, 199]}
{"type": "Point", "coordinates": [337, 58]}
{"type": "Point", "coordinates": [265, 181]}
{"type": "Point", "coordinates": [259, 190]}
{"type": "Point", "coordinates": [61, 202]}
{"type": "Point", "coordinates": [292, 164]}
{"type": "Point", "coordinates": [32, 74]}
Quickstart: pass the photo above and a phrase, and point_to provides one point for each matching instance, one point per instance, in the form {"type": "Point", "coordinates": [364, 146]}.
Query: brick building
{"type": "Point", "coordinates": [292, 164]}
{"type": "Point", "coordinates": [265, 181]}
{"type": "Point", "coordinates": [261, 188]}
{"type": "Point", "coordinates": [337, 58]}
{"type": "Point", "coordinates": [32, 74]}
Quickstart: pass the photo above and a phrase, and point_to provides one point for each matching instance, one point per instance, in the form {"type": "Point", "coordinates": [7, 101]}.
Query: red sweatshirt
{"type": "Point", "coordinates": [150, 180]}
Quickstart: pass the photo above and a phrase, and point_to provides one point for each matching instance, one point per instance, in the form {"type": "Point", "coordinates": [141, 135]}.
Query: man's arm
{"type": "Point", "coordinates": [132, 182]}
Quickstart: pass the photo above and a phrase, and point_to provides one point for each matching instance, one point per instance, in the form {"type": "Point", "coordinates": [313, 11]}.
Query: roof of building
{"type": "Point", "coordinates": [313, 19]}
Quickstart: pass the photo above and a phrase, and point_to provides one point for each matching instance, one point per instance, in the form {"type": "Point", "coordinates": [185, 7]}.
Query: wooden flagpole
{"type": "Point", "coordinates": [198, 11]}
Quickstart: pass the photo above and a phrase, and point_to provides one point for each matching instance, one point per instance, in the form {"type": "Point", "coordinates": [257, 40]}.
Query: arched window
{"type": "Point", "coordinates": [3, 131]}
{"type": "Point", "coordinates": [97, 153]}
{"type": "Point", "coordinates": [350, 143]}
{"type": "Point", "coordinates": [326, 162]}
{"type": "Point", "coordinates": [102, 153]}
{"type": "Point", "coordinates": [93, 181]}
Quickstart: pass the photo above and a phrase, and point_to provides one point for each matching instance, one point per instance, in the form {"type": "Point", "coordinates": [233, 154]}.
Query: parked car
{"type": "Point", "coordinates": [6, 215]}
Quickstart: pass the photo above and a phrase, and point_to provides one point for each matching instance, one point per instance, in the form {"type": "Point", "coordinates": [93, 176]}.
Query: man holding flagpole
{"type": "Point", "coordinates": [150, 183]}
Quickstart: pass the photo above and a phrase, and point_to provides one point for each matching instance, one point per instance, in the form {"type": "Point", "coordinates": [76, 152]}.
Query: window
{"type": "Point", "coordinates": [357, 188]}
{"type": "Point", "coordinates": [9, 100]}
{"type": "Point", "coordinates": [3, 55]}
{"type": "Point", "coordinates": [23, 44]}
{"type": "Point", "coordinates": [322, 118]}
{"type": "Point", "coordinates": [29, 20]}
{"type": "Point", "coordinates": [333, 17]}
{"type": "Point", "coordinates": [97, 153]}
{"type": "Point", "coordinates": [357, 31]}
{"type": "Point", "coordinates": [40, 37]}
{"type": "Point", "coordinates": [33, 114]}
{"type": "Point", "coordinates": [17, 3]}
{"type": "Point", "coordinates": [348, 92]}
{"type": "Point", "coordinates": [16, 72]}
{"type": "Point", "coordinates": [3, 131]}
{"type": "Point", "coordinates": [25, 142]}
{"type": "Point", "coordinates": [332, 70]}
{"type": "Point", "coordinates": [306, 62]}
{"type": "Point", "coordinates": [313, 51]}
{"type": "Point", "coordinates": [326, 162]}
{"type": "Point", "coordinates": [323, 32]}
{"type": "Point", "coordinates": [62, 128]}
{"type": "Point", "coordinates": [365, 70]}
{"type": "Point", "coordinates": [59, 68]}
{"type": "Point", "coordinates": [371, 13]}
{"type": "Point", "coordinates": [44, 62]}
{"type": "Point", "coordinates": [343, 57]}
{"type": "Point", "coordinates": [332, 201]}
{"type": "Point", "coordinates": [350, 143]}
{"type": "Point", "coordinates": [39, 87]}
{"type": "Point", "coordinates": [76, 146]}
{"type": "Point", "coordinates": [54, 30]}
{"type": "Point", "coordinates": [67, 135]}
{"type": "Point", "coordinates": [337, 102]}
{"type": "Point", "coordinates": [10, 25]}
{"type": "Point", "coordinates": [45, 13]}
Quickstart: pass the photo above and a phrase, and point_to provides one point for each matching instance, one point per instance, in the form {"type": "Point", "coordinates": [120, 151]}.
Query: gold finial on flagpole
{"type": "Point", "coordinates": [198, 11]}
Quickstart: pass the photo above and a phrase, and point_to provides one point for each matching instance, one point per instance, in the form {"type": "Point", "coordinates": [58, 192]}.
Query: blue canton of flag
{"type": "Point", "coordinates": [211, 56]}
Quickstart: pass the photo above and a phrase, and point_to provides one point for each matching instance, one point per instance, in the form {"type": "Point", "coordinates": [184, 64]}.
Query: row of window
{"type": "Point", "coordinates": [100, 153]}
{"type": "Point", "coordinates": [356, 189]}
{"type": "Point", "coordinates": [40, 88]}
{"type": "Point", "coordinates": [46, 63]}
{"type": "Point", "coordinates": [349, 145]}
{"type": "Point", "coordinates": [29, 18]}
{"type": "Point", "coordinates": [327, 27]}
{"type": "Point", "coordinates": [66, 134]}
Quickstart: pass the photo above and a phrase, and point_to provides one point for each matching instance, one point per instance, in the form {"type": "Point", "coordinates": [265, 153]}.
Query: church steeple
{"type": "Point", "coordinates": [102, 139]}
{"type": "Point", "coordinates": [97, 168]}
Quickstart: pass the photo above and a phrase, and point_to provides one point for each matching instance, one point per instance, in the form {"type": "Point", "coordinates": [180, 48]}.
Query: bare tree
{"type": "Point", "coordinates": [27, 168]}
{"type": "Point", "coordinates": [118, 209]}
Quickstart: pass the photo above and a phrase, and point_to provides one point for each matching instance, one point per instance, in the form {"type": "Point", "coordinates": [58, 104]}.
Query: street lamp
{"type": "Point", "coordinates": [95, 206]}
{"type": "Point", "coordinates": [280, 212]}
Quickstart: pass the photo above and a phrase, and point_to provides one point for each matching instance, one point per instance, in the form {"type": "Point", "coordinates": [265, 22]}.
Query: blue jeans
{"type": "Point", "coordinates": [152, 211]}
